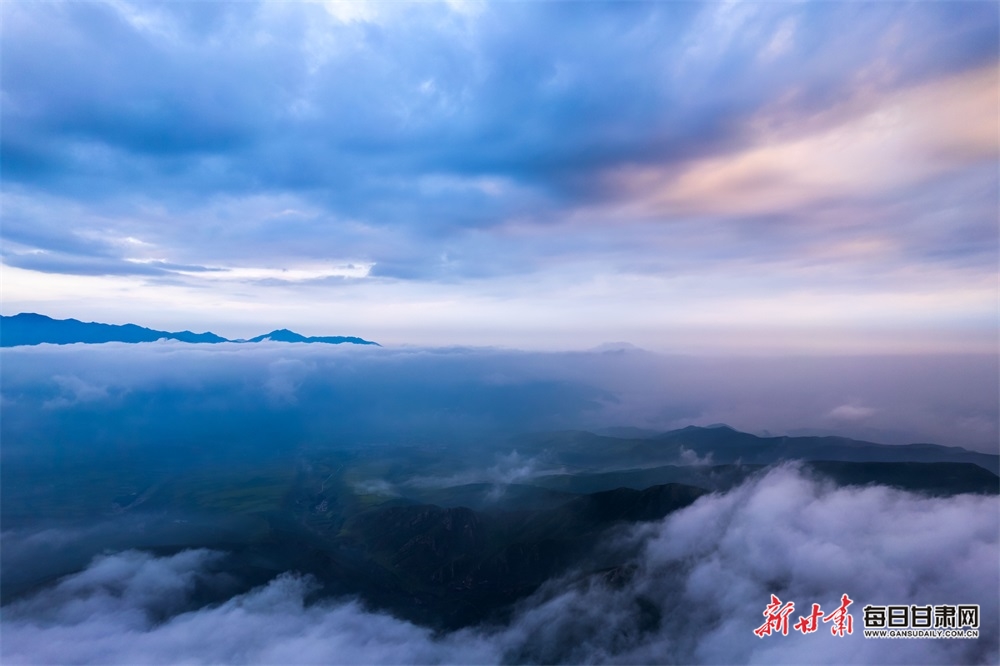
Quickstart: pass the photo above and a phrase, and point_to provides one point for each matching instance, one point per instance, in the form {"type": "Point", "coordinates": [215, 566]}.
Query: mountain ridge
{"type": "Point", "coordinates": [707, 446]}
{"type": "Point", "coordinates": [30, 328]}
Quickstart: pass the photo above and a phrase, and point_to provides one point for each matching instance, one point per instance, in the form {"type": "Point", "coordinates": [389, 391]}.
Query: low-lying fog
{"type": "Point", "coordinates": [307, 393]}
{"type": "Point", "coordinates": [694, 586]}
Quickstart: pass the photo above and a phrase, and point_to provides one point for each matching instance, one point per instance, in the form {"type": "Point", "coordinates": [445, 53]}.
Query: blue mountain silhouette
{"type": "Point", "coordinates": [29, 328]}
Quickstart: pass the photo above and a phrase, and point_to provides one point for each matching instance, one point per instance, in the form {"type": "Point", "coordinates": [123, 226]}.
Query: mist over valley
{"type": "Point", "coordinates": [264, 492]}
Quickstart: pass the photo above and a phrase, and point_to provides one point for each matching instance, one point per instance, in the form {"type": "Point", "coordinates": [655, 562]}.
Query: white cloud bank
{"type": "Point", "coordinates": [694, 592]}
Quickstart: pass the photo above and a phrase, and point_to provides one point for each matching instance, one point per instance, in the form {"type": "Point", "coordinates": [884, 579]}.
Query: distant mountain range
{"type": "Point", "coordinates": [443, 553]}
{"type": "Point", "coordinates": [720, 444]}
{"type": "Point", "coordinates": [29, 328]}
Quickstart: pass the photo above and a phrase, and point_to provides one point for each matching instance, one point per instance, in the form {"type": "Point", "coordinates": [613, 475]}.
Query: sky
{"type": "Point", "coordinates": [723, 176]}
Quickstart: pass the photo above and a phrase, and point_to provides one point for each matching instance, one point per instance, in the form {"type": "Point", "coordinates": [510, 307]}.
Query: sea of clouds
{"type": "Point", "coordinates": [310, 393]}
{"type": "Point", "coordinates": [694, 589]}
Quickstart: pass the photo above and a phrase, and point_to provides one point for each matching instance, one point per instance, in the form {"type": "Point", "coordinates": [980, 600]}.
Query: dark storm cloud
{"type": "Point", "coordinates": [696, 589]}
